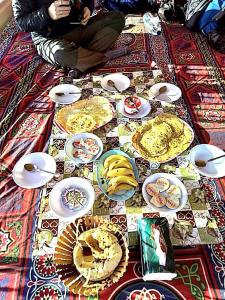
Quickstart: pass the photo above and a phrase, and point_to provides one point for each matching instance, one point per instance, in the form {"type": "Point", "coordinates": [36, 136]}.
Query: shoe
{"type": "Point", "coordinates": [75, 74]}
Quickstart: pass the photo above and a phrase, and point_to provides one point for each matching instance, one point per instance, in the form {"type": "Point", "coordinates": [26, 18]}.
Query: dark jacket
{"type": "Point", "coordinates": [32, 16]}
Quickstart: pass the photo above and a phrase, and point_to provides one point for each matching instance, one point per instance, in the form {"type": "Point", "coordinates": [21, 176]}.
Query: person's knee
{"type": "Point", "coordinates": [118, 21]}
{"type": "Point", "coordinates": [64, 58]}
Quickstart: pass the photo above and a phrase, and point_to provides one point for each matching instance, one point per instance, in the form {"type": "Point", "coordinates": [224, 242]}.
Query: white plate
{"type": "Point", "coordinates": [173, 180]}
{"type": "Point", "coordinates": [69, 146]}
{"type": "Point", "coordinates": [143, 111]}
{"type": "Point", "coordinates": [66, 89]}
{"type": "Point", "coordinates": [173, 92]}
{"type": "Point", "coordinates": [122, 82]}
{"type": "Point", "coordinates": [213, 169]}
{"type": "Point", "coordinates": [31, 180]}
{"type": "Point", "coordinates": [55, 200]}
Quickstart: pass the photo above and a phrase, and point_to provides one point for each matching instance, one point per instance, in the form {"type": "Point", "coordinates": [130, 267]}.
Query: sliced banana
{"type": "Point", "coordinates": [118, 172]}
{"type": "Point", "coordinates": [110, 159]}
{"type": "Point", "coordinates": [120, 164]}
{"type": "Point", "coordinates": [123, 179]}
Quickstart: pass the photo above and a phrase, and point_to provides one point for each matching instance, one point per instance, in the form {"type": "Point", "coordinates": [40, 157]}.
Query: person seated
{"type": "Point", "coordinates": [66, 35]}
{"type": "Point", "coordinates": [208, 17]}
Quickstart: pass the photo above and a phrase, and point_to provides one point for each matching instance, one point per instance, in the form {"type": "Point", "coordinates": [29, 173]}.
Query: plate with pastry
{"type": "Point", "coordinates": [84, 115]}
{"type": "Point", "coordinates": [164, 193]}
{"type": "Point", "coordinates": [91, 254]}
{"type": "Point", "coordinates": [163, 138]}
{"type": "Point", "coordinates": [84, 147]}
{"type": "Point", "coordinates": [117, 175]}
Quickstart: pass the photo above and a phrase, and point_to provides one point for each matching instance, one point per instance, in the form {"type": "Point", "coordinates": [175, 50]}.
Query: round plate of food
{"type": "Point", "coordinates": [72, 197]}
{"type": "Point", "coordinates": [121, 81]}
{"type": "Point", "coordinates": [117, 175]}
{"type": "Point", "coordinates": [134, 107]}
{"type": "Point", "coordinates": [164, 193]}
{"type": "Point", "coordinates": [92, 253]}
{"type": "Point", "coordinates": [84, 115]}
{"type": "Point", "coordinates": [165, 92]}
{"type": "Point", "coordinates": [84, 147]}
{"type": "Point", "coordinates": [163, 138]}
{"type": "Point", "coordinates": [65, 93]}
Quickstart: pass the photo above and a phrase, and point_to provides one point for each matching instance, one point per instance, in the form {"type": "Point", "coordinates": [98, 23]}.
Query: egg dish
{"type": "Point", "coordinates": [85, 115]}
{"type": "Point", "coordinates": [162, 138]}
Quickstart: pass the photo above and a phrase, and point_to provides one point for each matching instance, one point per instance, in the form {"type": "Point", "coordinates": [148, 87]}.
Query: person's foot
{"type": "Point", "coordinates": [75, 74]}
{"type": "Point", "coordinates": [112, 54]}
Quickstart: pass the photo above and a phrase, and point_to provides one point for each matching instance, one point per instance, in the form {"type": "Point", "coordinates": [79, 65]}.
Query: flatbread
{"type": "Point", "coordinates": [162, 138]}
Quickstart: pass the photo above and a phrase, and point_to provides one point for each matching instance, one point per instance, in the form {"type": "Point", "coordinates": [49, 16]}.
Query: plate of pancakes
{"type": "Point", "coordinates": [164, 192]}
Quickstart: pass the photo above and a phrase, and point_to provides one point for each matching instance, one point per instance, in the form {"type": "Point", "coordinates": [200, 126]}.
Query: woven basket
{"type": "Point", "coordinates": [63, 257]}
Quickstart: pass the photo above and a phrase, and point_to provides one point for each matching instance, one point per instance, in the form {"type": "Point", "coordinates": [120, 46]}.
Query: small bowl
{"type": "Point", "coordinates": [132, 108]}
{"type": "Point", "coordinates": [213, 169]}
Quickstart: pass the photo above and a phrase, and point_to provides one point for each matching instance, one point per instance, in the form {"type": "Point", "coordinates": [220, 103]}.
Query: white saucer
{"type": "Point", "coordinates": [122, 82]}
{"type": "Point", "coordinates": [173, 92]}
{"type": "Point", "coordinates": [66, 89]}
{"type": "Point", "coordinates": [55, 200]}
{"type": "Point", "coordinates": [31, 180]}
{"type": "Point", "coordinates": [173, 180]}
{"type": "Point", "coordinates": [213, 169]}
{"type": "Point", "coordinates": [143, 111]}
{"type": "Point", "coordinates": [69, 146]}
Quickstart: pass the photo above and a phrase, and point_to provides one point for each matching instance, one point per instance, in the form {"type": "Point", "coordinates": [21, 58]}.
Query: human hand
{"type": "Point", "coordinates": [86, 15]}
{"type": "Point", "coordinates": [59, 9]}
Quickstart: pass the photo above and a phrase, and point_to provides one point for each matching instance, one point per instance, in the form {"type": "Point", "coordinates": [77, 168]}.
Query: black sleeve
{"type": "Point", "coordinates": [28, 17]}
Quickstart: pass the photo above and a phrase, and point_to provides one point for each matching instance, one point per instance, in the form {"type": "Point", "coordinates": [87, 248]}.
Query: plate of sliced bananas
{"type": "Point", "coordinates": [117, 175]}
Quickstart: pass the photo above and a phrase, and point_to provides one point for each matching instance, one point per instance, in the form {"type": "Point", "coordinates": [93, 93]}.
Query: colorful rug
{"type": "Point", "coordinates": [26, 116]}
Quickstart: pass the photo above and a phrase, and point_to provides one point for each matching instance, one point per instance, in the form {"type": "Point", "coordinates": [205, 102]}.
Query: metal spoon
{"type": "Point", "coordinates": [70, 93]}
{"type": "Point", "coordinates": [161, 90]}
{"type": "Point", "coordinates": [35, 168]}
{"type": "Point", "coordinates": [111, 83]}
{"type": "Point", "coordinates": [202, 163]}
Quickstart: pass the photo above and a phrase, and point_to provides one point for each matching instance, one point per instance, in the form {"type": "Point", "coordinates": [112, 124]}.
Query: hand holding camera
{"type": "Point", "coordinates": [59, 9]}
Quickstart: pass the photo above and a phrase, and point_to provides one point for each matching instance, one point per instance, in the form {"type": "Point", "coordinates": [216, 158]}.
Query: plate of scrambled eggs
{"type": "Point", "coordinates": [85, 115]}
{"type": "Point", "coordinates": [162, 138]}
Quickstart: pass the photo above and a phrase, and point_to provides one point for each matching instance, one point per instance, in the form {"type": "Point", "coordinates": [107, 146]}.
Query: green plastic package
{"type": "Point", "coordinates": [156, 249]}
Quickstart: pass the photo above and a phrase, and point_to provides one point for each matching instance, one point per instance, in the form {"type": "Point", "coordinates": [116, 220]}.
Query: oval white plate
{"type": "Point", "coordinates": [173, 92]}
{"type": "Point", "coordinates": [66, 89]}
{"type": "Point", "coordinates": [143, 111]}
{"type": "Point", "coordinates": [55, 200]}
{"type": "Point", "coordinates": [122, 82]}
{"type": "Point", "coordinates": [213, 169]}
{"type": "Point", "coordinates": [31, 180]}
{"type": "Point", "coordinates": [173, 180]}
{"type": "Point", "coordinates": [69, 146]}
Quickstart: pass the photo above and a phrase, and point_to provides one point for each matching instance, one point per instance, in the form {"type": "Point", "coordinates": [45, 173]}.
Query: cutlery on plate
{"type": "Point", "coordinates": [111, 83]}
{"type": "Point", "coordinates": [202, 163]}
{"type": "Point", "coordinates": [63, 94]}
{"type": "Point", "coordinates": [34, 168]}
